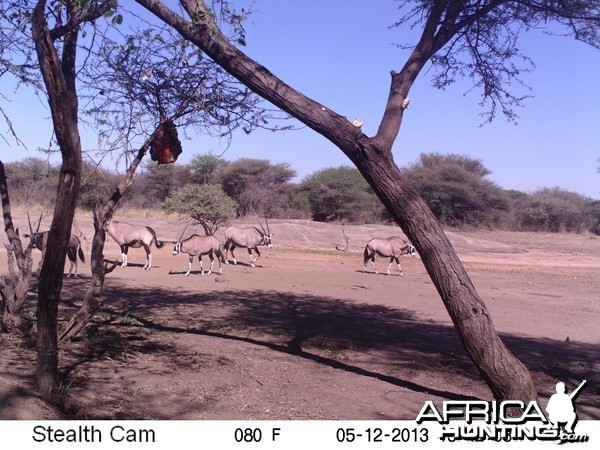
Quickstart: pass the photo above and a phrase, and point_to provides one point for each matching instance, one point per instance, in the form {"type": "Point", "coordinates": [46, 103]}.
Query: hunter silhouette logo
{"type": "Point", "coordinates": [508, 420]}
{"type": "Point", "coordinates": [561, 409]}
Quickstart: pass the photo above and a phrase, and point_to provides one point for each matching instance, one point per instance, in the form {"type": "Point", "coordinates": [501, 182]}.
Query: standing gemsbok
{"type": "Point", "coordinates": [197, 245]}
{"type": "Point", "coordinates": [135, 236]}
{"type": "Point", "coordinates": [39, 239]}
{"type": "Point", "coordinates": [249, 237]}
{"type": "Point", "coordinates": [392, 247]}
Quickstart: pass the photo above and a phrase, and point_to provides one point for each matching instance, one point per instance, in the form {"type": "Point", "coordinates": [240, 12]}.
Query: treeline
{"type": "Point", "coordinates": [456, 187]}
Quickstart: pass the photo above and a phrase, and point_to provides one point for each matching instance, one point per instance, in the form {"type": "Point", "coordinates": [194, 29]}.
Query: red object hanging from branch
{"type": "Point", "coordinates": [165, 147]}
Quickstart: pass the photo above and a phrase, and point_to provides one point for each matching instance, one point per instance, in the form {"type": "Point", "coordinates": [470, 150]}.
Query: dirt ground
{"type": "Point", "coordinates": [308, 335]}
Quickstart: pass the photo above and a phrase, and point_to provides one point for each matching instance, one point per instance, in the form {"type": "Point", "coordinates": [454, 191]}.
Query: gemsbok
{"type": "Point", "coordinates": [39, 239]}
{"type": "Point", "coordinates": [392, 247]}
{"type": "Point", "coordinates": [249, 237]}
{"type": "Point", "coordinates": [197, 245]}
{"type": "Point", "coordinates": [134, 236]}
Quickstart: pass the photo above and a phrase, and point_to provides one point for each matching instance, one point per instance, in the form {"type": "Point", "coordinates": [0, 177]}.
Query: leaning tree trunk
{"type": "Point", "coordinates": [505, 375]}
{"type": "Point", "coordinates": [59, 78]}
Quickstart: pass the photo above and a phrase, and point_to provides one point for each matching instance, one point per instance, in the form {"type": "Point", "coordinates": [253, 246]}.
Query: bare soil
{"type": "Point", "coordinates": [307, 334]}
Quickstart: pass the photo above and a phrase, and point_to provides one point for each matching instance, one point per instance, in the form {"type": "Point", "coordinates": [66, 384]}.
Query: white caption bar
{"type": "Point", "coordinates": [284, 435]}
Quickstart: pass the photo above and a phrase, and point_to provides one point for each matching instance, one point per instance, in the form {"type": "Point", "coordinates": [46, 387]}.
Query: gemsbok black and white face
{"type": "Point", "coordinates": [268, 240]}
{"type": "Point", "coordinates": [177, 248]}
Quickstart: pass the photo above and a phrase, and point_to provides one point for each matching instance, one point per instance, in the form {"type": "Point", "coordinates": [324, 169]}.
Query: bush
{"type": "Point", "coordinates": [156, 183]}
{"type": "Point", "coordinates": [32, 181]}
{"type": "Point", "coordinates": [341, 194]}
{"type": "Point", "coordinates": [455, 188]}
{"type": "Point", "coordinates": [256, 185]}
{"type": "Point", "coordinates": [205, 203]}
{"type": "Point", "coordinates": [556, 209]}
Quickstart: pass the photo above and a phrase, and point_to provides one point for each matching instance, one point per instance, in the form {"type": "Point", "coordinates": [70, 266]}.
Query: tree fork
{"type": "Point", "coordinates": [505, 375]}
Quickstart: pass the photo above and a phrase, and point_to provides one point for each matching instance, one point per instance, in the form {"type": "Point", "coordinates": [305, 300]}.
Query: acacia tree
{"type": "Point", "coordinates": [206, 204]}
{"type": "Point", "coordinates": [205, 168]}
{"type": "Point", "coordinates": [485, 32]}
{"type": "Point", "coordinates": [55, 29]}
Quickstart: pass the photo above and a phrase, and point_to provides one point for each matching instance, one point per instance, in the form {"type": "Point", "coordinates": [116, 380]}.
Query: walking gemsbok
{"type": "Point", "coordinates": [134, 236]}
{"type": "Point", "coordinates": [197, 245]}
{"type": "Point", "coordinates": [249, 237]}
{"type": "Point", "coordinates": [392, 247]}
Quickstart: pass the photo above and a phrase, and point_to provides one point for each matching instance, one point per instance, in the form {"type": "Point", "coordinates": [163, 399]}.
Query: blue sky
{"type": "Point", "coordinates": [340, 53]}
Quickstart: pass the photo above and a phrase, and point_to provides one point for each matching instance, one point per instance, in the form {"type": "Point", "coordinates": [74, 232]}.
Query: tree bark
{"type": "Point", "coordinates": [93, 296]}
{"type": "Point", "coordinates": [59, 78]}
{"type": "Point", "coordinates": [15, 286]}
{"type": "Point", "coordinates": [505, 375]}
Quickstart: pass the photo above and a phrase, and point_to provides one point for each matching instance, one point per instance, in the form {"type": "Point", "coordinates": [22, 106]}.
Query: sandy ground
{"type": "Point", "coordinates": [308, 335]}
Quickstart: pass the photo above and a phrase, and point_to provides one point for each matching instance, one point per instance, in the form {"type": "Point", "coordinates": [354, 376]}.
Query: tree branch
{"type": "Point", "coordinates": [204, 33]}
{"type": "Point", "coordinates": [76, 18]}
{"type": "Point", "coordinates": [403, 81]}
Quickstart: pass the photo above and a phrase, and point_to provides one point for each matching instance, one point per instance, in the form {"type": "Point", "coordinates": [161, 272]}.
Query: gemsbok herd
{"type": "Point", "coordinates": [251, 237]}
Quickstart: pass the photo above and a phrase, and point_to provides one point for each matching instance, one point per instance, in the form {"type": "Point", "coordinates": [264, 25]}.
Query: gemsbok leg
{"type": "Point", "coordinates": [372, 259]}
{"type": "Point", "coordinates": [190, 261]}
{"type": "Point", "coordinates": [124, 249]}
{"type": "Point", "coordinates": [397, 259]}
{"type": "Point", "coordinates": [71, 267]}
{"type": "Point", "coordinates": [230, 249]}
{"type": "Point", "coordinates": [148, 263]}
{"type": "Point", "coordinates": [72, 257]}
{"type": "Point", "coordinates": [212, 261]}
{"type": "Point", "coordinates": [253, 260]}
{"type": "Point", "coordinates": [202, 268]}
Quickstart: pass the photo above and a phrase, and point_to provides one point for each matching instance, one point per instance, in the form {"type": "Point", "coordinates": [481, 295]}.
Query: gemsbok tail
{"type": "Point", "coordinates": [159, 244]}
{"type": "Point", "coordinates": [366, 255]}
{"type": "Point", "coordinates": [220, 254]}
